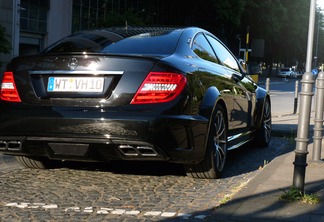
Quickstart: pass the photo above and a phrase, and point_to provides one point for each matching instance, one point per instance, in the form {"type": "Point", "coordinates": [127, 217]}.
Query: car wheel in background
{"type": "Point", "coordinates": [34, 163]}
{"type": "Point", "coordinates": [263, 134]}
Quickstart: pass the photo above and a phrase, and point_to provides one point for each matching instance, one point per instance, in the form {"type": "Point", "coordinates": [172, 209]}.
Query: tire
{"type": "Point", "coordinates": [263, 133]}
{"type": "Point", "coordinates": [216, 151]}
{"type": "Point", "coordinates": [33, 162]}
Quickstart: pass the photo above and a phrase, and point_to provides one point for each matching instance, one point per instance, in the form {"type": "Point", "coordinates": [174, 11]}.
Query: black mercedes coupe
{"type": "Point", "coordinates": [157, 94]}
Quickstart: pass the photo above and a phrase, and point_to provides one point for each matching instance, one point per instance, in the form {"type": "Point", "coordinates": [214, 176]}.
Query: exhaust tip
{"type": "Point", "coordinates": [3, 145]}
{"type": "Point", "coordinates": [128, 150]}
{"type": "Point", "coordinates": [14, 145]}
{"type": "Point", "coordinates": [10, 145]}
{"type": "Point", "coordinates": [144, 151]}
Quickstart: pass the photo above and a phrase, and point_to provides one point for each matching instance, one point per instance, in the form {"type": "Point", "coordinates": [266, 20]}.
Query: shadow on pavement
{"type": "Point", "coordinates": [243, 160]}
{"type": "Point", "coordinates": [250, 158]}
{"type": "Point", "coordinates": [265, 207]}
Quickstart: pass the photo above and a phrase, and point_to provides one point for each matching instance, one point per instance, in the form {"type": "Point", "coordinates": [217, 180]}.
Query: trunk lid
{"type": "Point", "coordinates": [79, 80]}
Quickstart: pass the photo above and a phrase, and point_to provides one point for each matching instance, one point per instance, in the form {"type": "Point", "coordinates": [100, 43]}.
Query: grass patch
{"type": "Point", "coordinates": [294, 194]}
{"type": "Point", "coordinates": [265, 163]}
{"type": "Point", "coordinates": [234, 190]}
{"type": "Point", "coordinates": [225, 199]}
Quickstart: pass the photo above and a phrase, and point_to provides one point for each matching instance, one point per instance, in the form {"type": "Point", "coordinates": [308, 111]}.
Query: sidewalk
{"type": "Point", "coordinates": [259, 199]}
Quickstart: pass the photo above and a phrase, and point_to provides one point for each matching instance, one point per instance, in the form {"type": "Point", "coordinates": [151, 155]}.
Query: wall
{"type": "Point", "coordinates": [8, 19]}
{"type": "Point", "coordinates": [59, 20]}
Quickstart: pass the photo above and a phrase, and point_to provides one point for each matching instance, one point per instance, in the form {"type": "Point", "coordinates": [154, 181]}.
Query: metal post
{"type": "Point", "coordinates": [306, 94]}
{"type": "Point", "coordinates": [268, 84]}
{"type": "Point", "coordinates": [247, 44]}
{"type": "Point", "coordinates": [318, 121]}
{"type": "Point", "coordinates": [296, 98]}
{"type": "Point", "coordinates": [15, 28]}
{"type": "Point", "coordinates": [301, 152]}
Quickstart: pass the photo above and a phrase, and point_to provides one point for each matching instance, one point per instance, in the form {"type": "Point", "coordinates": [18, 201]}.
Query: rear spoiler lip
{"type": "Point", "coordinates": [50, 72]}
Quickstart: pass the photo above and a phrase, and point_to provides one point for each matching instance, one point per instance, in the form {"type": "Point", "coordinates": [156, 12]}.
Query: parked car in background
{"type": "Point", "coordinates": [286, 72]}
{"type": "Point", "coordinates": [158, 94]}
{"type": "Point", "coordinates": [297, 74]}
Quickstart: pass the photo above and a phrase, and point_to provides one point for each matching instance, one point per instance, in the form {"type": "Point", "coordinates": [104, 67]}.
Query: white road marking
{"type": "Point", "coordinates": [103, 210]}
{"type": "Point", "coordinates": [153, 213]}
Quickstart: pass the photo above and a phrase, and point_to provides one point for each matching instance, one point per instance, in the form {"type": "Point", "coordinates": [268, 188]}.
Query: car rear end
{"type": "Point", "coordinates": [285, 72]}
{"type": "Point", "coordinates": [98, 106]}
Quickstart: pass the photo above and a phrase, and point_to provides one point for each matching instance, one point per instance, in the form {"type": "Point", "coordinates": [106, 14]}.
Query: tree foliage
{"type": "Point", "coordinates": [115, 19]}
{"type": "Point", "coordinates": [4, 43]}
{"type": "Point", "coordinates": [283, 24]}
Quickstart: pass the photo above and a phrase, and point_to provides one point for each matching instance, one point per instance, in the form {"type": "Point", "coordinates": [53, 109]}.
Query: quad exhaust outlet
{"type": "Point", "coordinates": [11, 145]}
{"type": "Point", "coordinates": [145, 151]}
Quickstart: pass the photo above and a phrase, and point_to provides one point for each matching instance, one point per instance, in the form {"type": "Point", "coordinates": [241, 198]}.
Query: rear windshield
{"type": "Point", "coordinates": [145, 44]}
{"type": "Point", "coordinates": [88, 41]}
{"type": "Point", "coordinates": [153, 43]}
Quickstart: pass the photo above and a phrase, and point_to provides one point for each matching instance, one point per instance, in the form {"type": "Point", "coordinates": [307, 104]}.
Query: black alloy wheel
{"type": "Point", "coordinates": [263, 134]}
{"type": "Point", "coordinates": [216, 151]}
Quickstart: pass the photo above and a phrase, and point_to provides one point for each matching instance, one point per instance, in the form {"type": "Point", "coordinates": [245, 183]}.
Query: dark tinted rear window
{"type": "Point", "coordinates": [151, 43]}
{"type": "Point", "coordinates": [155, 43]}
{"type": "Point", "coordinates": [88, 41]}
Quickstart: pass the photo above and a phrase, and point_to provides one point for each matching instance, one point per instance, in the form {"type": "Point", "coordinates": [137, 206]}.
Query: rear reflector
{"type": "Point", "coordinates": [160, 87]}
{"type": "Point", "coordinates": [8, 88]}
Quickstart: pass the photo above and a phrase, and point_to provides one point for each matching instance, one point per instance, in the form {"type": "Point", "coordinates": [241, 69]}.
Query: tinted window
{"type": "Point", "coordinates": [155, 43]}
{"type": "Point", "coordinates": [223, 54]}
{"type": "Point", "coordinates": [203, 49]}
{"type": "Point", "coordinates": [286, 69]}
{"type": "Point", "coordinates": [84, 42]}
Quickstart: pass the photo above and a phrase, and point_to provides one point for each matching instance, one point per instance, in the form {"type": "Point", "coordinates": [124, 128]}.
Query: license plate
{"type": "Point", "coordinates": [75, 84]}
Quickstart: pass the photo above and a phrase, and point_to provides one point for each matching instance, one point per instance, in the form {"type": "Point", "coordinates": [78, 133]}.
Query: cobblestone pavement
{"type": "Point", "coordinates": [124, 192]}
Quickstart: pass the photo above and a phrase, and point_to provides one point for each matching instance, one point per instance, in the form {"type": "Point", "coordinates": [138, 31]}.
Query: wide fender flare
{"type": "Point", "coordinates": [207, 106]}
{"type": "Point", "coordinates": [209, 101]}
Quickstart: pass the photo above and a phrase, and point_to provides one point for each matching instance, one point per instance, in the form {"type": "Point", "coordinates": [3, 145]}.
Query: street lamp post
{"type": "Point", "coordinates": [317, 38]}
{"type": "Point", "coordinates": [306, 94]}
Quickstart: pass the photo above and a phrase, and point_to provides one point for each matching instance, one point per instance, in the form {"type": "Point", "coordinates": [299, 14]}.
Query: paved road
{"type": "Point", "coordinates": [126, 192]}
{"type": "Point", "coordinates": [120, 192]}
{"type": "Point", "coordinates": [282, 92]}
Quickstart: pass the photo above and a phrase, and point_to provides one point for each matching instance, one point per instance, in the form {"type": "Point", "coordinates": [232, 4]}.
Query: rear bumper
{"type": "Point", "coordinates": [178, 138]}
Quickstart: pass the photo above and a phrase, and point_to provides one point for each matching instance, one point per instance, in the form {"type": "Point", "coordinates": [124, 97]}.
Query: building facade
{"type": "Point", "coordinates": [32, 25]}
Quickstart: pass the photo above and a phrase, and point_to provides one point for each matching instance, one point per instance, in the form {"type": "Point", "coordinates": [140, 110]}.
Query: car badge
{"type": "Point", "coordinates": [73, 63]}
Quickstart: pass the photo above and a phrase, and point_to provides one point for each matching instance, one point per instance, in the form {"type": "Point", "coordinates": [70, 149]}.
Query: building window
{"type": "Point", "coordinates": [87, 13]}
{"type": "Point", "coordinates": [33, 16]}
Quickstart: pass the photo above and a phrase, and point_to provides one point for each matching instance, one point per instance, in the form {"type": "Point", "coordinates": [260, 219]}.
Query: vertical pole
{"type": "Point", "coordinates": [296, 98]}
{"type": "Point", "coordinates": [15, 28]}
{"type": "Point", "coordinates": [318, 121]}
{"type": "Point", "coordinates": [268, 84]}
{"type": "Point", "coordinates": [317, 37]}
{"type": "Point", "coordinates": [306, 94]}
{"type": "Point", "coordinates": [247, 44]}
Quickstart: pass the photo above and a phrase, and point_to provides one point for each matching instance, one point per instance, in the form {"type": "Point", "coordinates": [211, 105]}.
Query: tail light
{"type": "Point", "coordinates": [159, 87]}
{"type": "Point", "coordinates": [8, 88]}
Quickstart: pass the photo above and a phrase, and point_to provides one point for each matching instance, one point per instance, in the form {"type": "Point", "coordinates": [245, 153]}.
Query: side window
{"type": "Point", "coordinates": [203, 49]}
{"type": "Point", "coordinates": [223, 54]}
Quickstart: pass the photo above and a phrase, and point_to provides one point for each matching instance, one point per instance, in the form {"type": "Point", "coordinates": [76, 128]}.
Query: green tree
{"type": "Point", "coordinates": [115, 19]}
{"type": "Point", "coordinates": [293, 36]}
{"type": "Point", "coordinates": [4, 43]}
{"type": "Point", "coordinates": [265, 19]}
{"type": "Point", "coordinates": [283, 24]}
{"type": "Point", "coordinates": [319, 38]}
{"type": "Point", "coordinates": [229, 14]}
